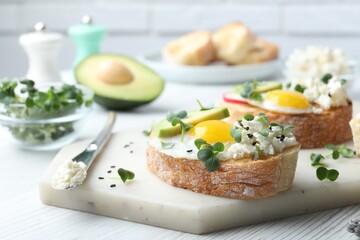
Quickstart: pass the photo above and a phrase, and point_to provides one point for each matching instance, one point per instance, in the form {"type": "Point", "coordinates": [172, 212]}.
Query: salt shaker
{"type": "Point", "coordinates": [42, 48]}
{"type": "Point", "coordinates": [87, 37]}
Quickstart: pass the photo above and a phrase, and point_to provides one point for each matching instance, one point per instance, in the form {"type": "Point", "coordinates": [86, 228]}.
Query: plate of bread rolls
{"type": "Point", "coordinates": [231, 54]}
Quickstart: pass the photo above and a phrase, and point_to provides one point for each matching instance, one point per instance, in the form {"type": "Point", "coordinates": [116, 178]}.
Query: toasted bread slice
{"type": "Point", "coordinates": [233, 42]}
{"type": "Point", "coordinates": [262, 51]}
{"type": "Point", "coordinates": [235, 178]}
{"type": "Point", "coordinates": [192, 49]}
{"type": "Point", "coordinates": [313, 130]}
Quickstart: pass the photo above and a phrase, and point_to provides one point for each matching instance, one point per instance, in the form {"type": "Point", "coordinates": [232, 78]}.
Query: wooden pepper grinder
{"type": "Point", "coordinates": [87, 37]}
{"type": "Point", "coordinates": [42, 48]}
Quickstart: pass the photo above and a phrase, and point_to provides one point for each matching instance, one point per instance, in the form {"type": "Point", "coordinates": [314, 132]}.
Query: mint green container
{"type": "Point", "coordinates": [87, 37]}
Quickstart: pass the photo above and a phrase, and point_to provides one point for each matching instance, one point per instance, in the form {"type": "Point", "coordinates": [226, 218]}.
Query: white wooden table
{"type": "Point", "coordinates": [23, 216]}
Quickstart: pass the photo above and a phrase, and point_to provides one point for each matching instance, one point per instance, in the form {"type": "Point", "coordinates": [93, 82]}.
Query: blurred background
{"type": "Point", "coordinates": [139, 26]}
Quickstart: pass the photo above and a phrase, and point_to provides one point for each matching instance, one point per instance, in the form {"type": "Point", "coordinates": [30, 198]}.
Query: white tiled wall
{"type": "Point", "coordinates": [139, 26]}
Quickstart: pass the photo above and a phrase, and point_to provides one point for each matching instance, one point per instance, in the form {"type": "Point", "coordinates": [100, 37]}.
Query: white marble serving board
{"type": "Point", "coordinates": [150, 201]}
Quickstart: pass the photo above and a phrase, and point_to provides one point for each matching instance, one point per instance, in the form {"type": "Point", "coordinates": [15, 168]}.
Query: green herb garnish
{"type": "Point", "coordinates": [35, 103]}
{"type": "Point", "coordinates": [299, 88]}
{"type": "Point", "coordinates": [165, 145]}
{"type": "Point", "coordinates": [326, 78]}
{"type": "Point", "coordinates": [247, 91]}
{"type": "Point", "coordinates": [181, 115]}
{"type": "Point", "coordinates": [343, 81]}
{"type": "Point", "coordinates": [331, 174]}
{"type": "Point", "coordinates": [235, 133]}
{"type": "Point", "coordinates": [184, 126]}
{"type": "Point", "coordinates": [316, 158]}
{"type": "Point", "coordinates": [208, 153]}
{"type": "Point", "coordinates": [147, 132]}
{"type": "Point", "coordinates": [202, 108]}
{"type": "Point", "coordinates": [323, 173]}
{"type": "Point", "coordinates": [249, 117]}
{"type": "Point", "coordinates": [341, 150]}
{"type": "Point", "coordinates": [125, 175]}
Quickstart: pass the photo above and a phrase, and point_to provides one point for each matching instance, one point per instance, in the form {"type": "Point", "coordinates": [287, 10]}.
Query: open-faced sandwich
{"type": "Point", "coordinates": [198, 151]}
{"type": "Point", "coordinates": [319, 108]}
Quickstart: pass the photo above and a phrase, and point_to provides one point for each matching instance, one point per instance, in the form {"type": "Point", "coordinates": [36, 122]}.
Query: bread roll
{"type": "Point", "coordinates": [312, 130]}
{"type": "Point", "coordinates": [262, 51]}
{"type": "Point", "coordinates": [192, 49]}
{"type": "Point", "coordinates": [233, 42]}
{"type": "Point", "coordinates": [235, 178]}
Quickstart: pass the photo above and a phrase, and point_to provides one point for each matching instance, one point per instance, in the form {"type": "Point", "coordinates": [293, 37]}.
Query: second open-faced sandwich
{"type": "Point", "coordinates": [319, 108]}
{"type": "Point", "coordinates": [198, 151]}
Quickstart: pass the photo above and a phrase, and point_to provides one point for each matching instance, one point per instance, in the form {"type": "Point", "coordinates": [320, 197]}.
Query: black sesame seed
{"type": "Point", "coordinates": [190, 150]}
{"type": "Point", "coordinates": [113, 185]}
{"type": "Point", "coordinates": [246, 128]}
{"type": "Point", "coordinates": [131, 151]}
{"type": "Point", "coordinates": [109, 171]}
{"type": "Point", "coordinates": [126, 146]}
{"type": "Point", "coordinates": [250, 135]}
{"type": "Point", "coordinates": [112, 166]}
{"type": "Point", "coordinates": [270, 128]}
{"type": "Point", "coordinates": [329, 95]}
{"type": "Point", "coordinates": [101, 178]}
{"type": "Point", "coordinates": [254, 143]}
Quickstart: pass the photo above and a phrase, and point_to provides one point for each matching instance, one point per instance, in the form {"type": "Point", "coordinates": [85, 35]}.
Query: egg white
{"type": "Point", "coordinates": [267, 105]}
{"type": "Point", "coordinates": [180, 148]}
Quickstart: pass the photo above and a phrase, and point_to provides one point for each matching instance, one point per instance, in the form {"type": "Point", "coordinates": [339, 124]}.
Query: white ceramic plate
{"type": "Point", "coordinates": [216, 73]}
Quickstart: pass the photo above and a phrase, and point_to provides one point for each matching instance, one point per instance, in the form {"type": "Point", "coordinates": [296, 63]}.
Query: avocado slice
{"type": "Point", "coordinates": [259, 87]}
{"type": "Point", "coordinates": [164, 128]}
{"type": "Point", "coordinates": [119, 82]}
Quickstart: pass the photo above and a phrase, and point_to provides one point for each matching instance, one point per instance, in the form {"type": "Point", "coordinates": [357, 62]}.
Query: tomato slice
{"type": "Point", "coordinates": [232, 97]}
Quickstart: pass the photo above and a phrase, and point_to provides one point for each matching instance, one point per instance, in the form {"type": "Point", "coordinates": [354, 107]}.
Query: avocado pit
{"type": "Point", "coordinates": [114, 72]}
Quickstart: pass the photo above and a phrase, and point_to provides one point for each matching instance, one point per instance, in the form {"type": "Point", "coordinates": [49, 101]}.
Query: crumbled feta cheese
{"type": "Point", "coordinates": [274, 142]}
{"type": "Point", "coordinates": [332, 94]}
{"type": "Point", "coordinates": [69, 174]}
{"type": "Point", "coordinates": [315, 61]}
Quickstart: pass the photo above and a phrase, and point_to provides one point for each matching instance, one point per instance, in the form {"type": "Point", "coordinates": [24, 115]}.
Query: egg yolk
{"type": "Point", "coordinates": [287, 98]}
{"type": "Point", "coordinates": [212, 131]}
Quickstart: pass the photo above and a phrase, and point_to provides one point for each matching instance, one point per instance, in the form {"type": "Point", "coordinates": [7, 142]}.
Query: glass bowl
{"type": "Point", "coordinates": [38, 129]}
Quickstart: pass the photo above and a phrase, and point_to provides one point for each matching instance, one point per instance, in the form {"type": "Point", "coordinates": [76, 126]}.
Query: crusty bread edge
{"type": "Point", "coordinates": [312, 130]}
{"type": "Point", "coordinates": [235, 178]}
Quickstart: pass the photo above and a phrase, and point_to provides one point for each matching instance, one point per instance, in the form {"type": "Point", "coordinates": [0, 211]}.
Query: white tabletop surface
{"type": "Point", "coordinates": [23, 216]}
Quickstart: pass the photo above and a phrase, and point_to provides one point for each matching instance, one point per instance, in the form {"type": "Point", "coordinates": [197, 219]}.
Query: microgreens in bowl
{"type": "Point", "coordinates": [40, 114]}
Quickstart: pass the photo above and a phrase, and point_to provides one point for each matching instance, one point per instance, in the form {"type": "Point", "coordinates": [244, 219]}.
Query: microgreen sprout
{"type": "Point", "coordinates": [181, 115]}
{"type": "Point", "coordinates": [249, 117]}
{"type": "Point", "coordinates": [322, 172]}
{"type": "Point", "coordinates": [341, 150]}
{"type": "Point", "coordinates": [208, 153]}
{"type": "Point", "coordinates": [247, 91]}
{"type": "Point", "coordinates": [299, 88]}
{"type": "Point", "coordinates": [235, 133]}
{"type": "Point", "coordinates": [326, 78]}
{"type": "Point", "coordinates": [146, 132]}
{"type": "Point", "coordinates": [125, 175]}
{"type": "Point", "coordinates": [184, 126]}
{"type": "Point", "coordinates": [202, 108]}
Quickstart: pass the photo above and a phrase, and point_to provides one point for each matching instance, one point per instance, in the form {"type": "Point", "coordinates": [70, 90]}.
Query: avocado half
{"type": "Point", "coordinates": [119, 82]}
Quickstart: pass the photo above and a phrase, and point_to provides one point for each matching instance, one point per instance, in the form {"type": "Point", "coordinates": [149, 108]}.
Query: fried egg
{"type": "Point", "coordinates": [211, 131]}
{"type": "Point", "coordinates": [283, 101]}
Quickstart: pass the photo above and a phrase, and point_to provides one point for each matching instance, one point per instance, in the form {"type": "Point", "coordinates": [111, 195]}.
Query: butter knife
{"type": "Point", "coordinates": [72, 173]}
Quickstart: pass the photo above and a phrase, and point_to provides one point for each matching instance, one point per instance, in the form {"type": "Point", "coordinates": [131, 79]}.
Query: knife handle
{"type": "Point", "coordinates": [105, 133]}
